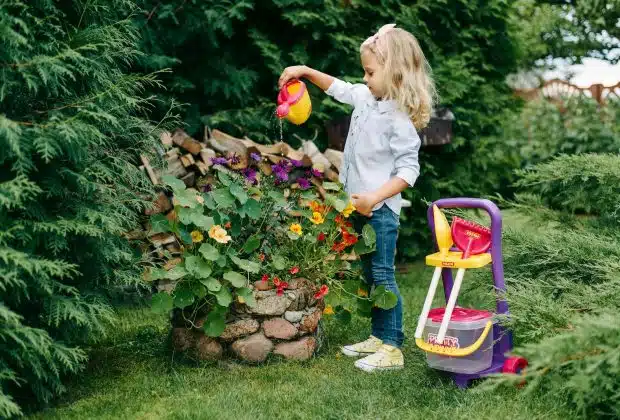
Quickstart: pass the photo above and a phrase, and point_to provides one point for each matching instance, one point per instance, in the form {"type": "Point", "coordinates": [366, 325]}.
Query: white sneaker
{"type": "Point", "coordinates": [386, 358]}
{"type": "Point", "coordinates": [362, 349]}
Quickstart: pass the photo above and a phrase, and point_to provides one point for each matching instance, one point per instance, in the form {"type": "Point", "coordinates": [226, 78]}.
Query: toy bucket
{"type": "Point", "coordinates": [294, 102]}
{"type": "Point", "coordinates": [465, 328]}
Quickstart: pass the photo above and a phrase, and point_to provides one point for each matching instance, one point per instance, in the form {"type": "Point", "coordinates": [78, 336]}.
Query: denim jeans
{"type": "Point", "coordinates": [378, 268]}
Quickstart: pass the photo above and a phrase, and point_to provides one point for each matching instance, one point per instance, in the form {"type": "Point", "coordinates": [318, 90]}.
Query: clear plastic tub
{"type": "Point", "coordinates": [466, 326]}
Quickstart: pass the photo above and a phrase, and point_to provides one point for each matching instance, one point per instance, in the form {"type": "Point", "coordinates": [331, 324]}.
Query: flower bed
{"type": "Point", "coordinates": [260, 255]}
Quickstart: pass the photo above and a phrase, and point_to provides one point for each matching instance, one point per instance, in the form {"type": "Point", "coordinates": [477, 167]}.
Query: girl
{"type": "Point", "coordinates": [380, 161]}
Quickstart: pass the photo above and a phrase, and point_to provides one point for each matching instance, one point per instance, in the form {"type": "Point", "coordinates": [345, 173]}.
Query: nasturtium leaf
{"type": "Point", "coordinates": [159, 224]}
{"type": "Point", "coordinates": [239, 193]}
{"type": "Point", "coordinates": [369, 235]}
{"type": "Point", "coordinates": [247, 295]}
{"type": "Point", "coordinates": [223, 296]}
{"type": "Point", "coordinates": [214, 325]}
{"type": "Point", "coordinates": [236, 279]}
{"type": "Point", "coordinates": [249, 266]}
{"type": "Point", "coordinates": [212, 284]}
{"type": "Point", "coordinates": [383, 298]}
{"type": "Point", "coordinates": [183, 297]}
{"type": "Point", "coordinates": [331, 186]}
{"type": "Point", "coordinates": [251, 244]}
{"type": "Point", "coordinates": [223, 198]}
{"type": "Point", "coordinates": [173, 182]}
{"type": "Point", "coordinates": [209, 252]}
{"type": "Point", "coordinates": [161, 303]}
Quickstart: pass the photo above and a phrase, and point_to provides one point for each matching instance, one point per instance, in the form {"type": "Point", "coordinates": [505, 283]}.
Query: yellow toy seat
{"type": "Point", "coordinates": [452, 259]}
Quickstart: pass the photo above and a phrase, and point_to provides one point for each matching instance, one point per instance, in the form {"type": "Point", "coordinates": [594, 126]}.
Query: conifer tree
{"type": "Point", "coordinates": [71, 125]}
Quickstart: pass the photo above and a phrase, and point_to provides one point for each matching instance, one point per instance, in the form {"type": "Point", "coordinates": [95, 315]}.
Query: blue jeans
{"type": "Point", "coordinates": [378, 268]}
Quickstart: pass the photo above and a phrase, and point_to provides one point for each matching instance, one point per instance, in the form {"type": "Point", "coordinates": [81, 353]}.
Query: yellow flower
{"type": "Point", "coordinates": [328, 310]}
{"type": "Point", "coordinates": [219, 234]}
{"type": "Point", "coordinates": [197, 236]}
{"type": "Point", "coordinates": [348, 210]}
{"type": "Point", "coordinates": [361, 292]}
{"type": "Point", "coordinates": [296, 228]}
{"type": "Point", "coordinates": [317, 218]}
{"type": "Point", "coordinates": [240, 299]}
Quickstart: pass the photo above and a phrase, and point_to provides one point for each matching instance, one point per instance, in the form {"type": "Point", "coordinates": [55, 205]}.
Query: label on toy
{"type": "Point", "coordinates": [452, 342]}
{"type": "Point", "coordinates": [447, 264]}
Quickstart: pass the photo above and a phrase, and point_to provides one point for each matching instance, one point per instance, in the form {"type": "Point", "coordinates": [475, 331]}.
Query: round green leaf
{"type": "Point", "coordinates": [279, 263]}
{"type": "Point", "coordinates": [251, 208]}
{"type": "Point", "coordinates": [235, 278]}
{"type": "Point", "coordinates": [223, 296]}
{"type": "Point", "coordinates": [224, 178]}
{"type": "Point", "coordinates": [161, 303]}
{"type": "Point", "coordinates": [177, 272]}
{"type": "Point", "coordinates": [223, 198]}
{"type": "Point", "coordinates": [183, 297]}
{"type": "Point", "coordinates": [369, 235]}
{"type": "Point", "coordinates": [238, 191]}
{"type": "Point", "coordinates": [251, 244]}
{"type": "Point", "coordinates": [198, 267]}
{"type": "Point", "coordinates": [249, 266]}
{"type": "Point", "coordinates": [212, 284]}
{"type": "Point", "coordinates": [331, 186]}
{"type": "Point", "coordinates": [176, 184]}
{"type": "Point", "coordinates": [199, 290]}
{"type": "Point", "coordinates": [214, 325]}
{"type": "Point", "coordinates": [247, 295]}
{"type": "Point", "coordinates": [159, 224]}
{"type": "Point", "coordinates": [383, 299]}
{"type": "Point", "coordinates": [209, 252]}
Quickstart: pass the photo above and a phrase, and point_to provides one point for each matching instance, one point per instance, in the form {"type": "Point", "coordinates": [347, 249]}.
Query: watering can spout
{"type": "Point", "coordinates": [294, 102]}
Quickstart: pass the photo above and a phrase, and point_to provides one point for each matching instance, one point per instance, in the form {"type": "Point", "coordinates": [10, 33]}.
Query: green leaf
{"type": "Point", "coordinates": [369, 235]}
{"type": "Point", "coordinates": [198, 267]}
{"type": "Point", "coordinates": [351, 286]}
{"type": "Point", "coordinates": [278, 197]}
{"type": "Point", "coordinates": [185, 215]}
{"type": "Point", "coordinates": [310, 238]}
{"type": "Point", "coordinates": [162, 303]}
{"type": "Point", "coordinates": [187, 198]}
{"type": "Point", "coordinates": [343, 315]}
{"type": "Point", "coordinates": [292, 235]}
{"type": "Point", "coordinates": [224, 178]}
{"type": "Point", "coordinates": [254, 191]}
{"type": "Point", "coordinates": [221, 261]}
{"type": "Point", "coordinates": [361, 248]}
{"type": "Point", "coordinates": [336, 203]}
{"type": "Point", "coordinates": [383, 298]}
{"type": "Point", "coordinates": [199, 290]}
{"type": "Point", "coordinates": [159, 223]}
{"type": "Point", "coordinates": [176, 184]}
{"type": "Point", "coordinates": [331, 186]}
{"type": "Point", "coordinates": [364, 308]}
{"type": "Point", "coordinates": [235, 278]}
{"type": "Point", "coordinates": [238, 191]}
{"type": "Point", "coordinates": [156, 274]}
{"type": "Point", "coordinates": [212, 284]}
{"type": "Point", "coordinates": [215, 324]}
{"type": "Point", "coordinates": [246, 265]}
{"type": "Point", "coordinates": [223, 296]}
{"type": "Point", "coordinates": [251, 209]}
{"type": "Point", "coordinates": [279, 263]}
{"type": "Point", "coordinates": [185, 236]}
{"type": "Point", "coordinates": [248, 296]}
{"type": "Point", "coordinates": [223, 198]}
{"type": "Point", "coordinates": [202, 221]}
{"type": "Point", "coordinates": [235, 230]}
{"type": "Point", "coordinates": [183, 297]}
{"type": "Point", "coordinates": [308, 195]}
{"type": "Point", "coordinates": [252, 244]}
{"type": "Point", "coordinates": [209, 201]}
{"type": "Point", "coordinates": [209, 252]}
{"type": "Point", "coordinates": [176, 272]}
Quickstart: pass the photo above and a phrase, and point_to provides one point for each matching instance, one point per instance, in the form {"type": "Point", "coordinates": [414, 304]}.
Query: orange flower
{"type": "Point", "coordinates": [294, 270]}
{"type": "Point", "coordinates": [328, 310]}
{"type": "Point", "coordinates": [317, 207]}
{"type": "Point", "coordinates": [261, 257]}
{"type": "Point", "coordinates": [228, 225]}
{"type": "Point", "coordinates": [362, 292]}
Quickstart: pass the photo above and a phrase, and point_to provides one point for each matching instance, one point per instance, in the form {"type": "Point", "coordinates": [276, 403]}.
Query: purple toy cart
{"type": "Point", "coordinates": [502, 337]}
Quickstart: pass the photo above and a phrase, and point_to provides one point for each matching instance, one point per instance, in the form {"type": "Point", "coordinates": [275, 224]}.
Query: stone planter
{"type": "Point", "coordinates": [285, 325]}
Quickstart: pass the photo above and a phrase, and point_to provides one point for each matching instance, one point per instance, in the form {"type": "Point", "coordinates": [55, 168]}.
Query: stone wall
{"type": "Point", "coordinates": [283, 325]}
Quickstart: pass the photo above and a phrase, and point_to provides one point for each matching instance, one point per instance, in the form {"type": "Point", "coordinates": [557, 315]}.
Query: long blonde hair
{"type": "Point", "coordinates": [408, 78]}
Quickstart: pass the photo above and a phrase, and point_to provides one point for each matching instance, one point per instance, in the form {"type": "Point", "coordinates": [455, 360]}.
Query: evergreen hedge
{"type": "Point", "coordinates": [71, 125]}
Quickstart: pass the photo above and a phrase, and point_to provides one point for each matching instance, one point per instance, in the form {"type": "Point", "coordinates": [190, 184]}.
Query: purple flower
{"type": "Point", "coordinates": [316, 173]}
{"type": "Point", "coordinates": [219, 161]}
{"type": "Point", "coordinates": [296, 163]}
{"type": "Point", "coordinates": [206, 188]}
{"type": "Point", "coordinates": [256, 157]}
{"type": "Point", "coordinates": [304, 184]}
{"type": "Point", "coordinates": [234, 159]}
{"type": "Point", "coordinates": [250, 175]}
{"type": "Point", "coordinates": [280, 173]}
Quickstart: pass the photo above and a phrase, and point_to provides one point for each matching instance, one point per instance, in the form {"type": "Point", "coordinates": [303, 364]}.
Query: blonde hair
{"type": "Point", "coordinates": [407, 74]}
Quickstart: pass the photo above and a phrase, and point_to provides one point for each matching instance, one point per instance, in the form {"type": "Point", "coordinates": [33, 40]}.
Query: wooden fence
{"type": "Point", "coordinates": [557, 90]}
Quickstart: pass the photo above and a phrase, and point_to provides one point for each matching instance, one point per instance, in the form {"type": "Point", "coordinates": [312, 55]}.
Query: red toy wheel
{"type": "Point", "coordinates": [514, 365]}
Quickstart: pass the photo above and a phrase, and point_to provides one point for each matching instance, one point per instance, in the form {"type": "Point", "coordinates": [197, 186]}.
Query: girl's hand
{"type": "Point", "coordinates": [364, 203]}
{"type": "Point", "coordinates": [293, 72]}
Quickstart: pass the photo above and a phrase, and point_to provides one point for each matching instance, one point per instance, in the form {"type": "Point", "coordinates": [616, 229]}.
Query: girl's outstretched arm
{"type": "Point", "coordinates": [318, 78]}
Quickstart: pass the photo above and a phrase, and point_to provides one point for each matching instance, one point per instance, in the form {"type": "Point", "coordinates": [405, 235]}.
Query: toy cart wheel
{"type": "Point", "coordinates": [514, 365]}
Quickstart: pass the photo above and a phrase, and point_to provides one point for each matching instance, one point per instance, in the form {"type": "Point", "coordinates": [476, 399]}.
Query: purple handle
{"type": "Point", "coordinates": [497, 264]}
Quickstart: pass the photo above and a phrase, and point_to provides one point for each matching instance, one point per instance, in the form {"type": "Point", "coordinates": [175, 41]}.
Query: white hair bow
{"type": "Point", "coordinates": [384, 29]}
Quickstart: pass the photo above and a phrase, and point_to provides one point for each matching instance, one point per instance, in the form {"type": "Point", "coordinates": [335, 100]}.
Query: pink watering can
{"type": "Point", "coordinates": [294, 102]}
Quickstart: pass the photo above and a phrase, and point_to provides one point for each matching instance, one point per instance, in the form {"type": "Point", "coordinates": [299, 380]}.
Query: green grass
{"type": "Point", "coordinates": [132, 375]}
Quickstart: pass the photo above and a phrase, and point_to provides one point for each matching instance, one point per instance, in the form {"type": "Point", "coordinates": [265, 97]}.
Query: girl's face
{"type": "Point", "coordinates": [373, 74]}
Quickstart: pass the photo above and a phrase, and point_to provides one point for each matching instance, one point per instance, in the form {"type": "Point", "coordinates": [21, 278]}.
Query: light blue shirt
{"type": "Point", "coordinates": [382, 143]}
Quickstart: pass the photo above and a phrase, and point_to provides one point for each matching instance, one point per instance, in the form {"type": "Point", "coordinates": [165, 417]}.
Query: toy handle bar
{"type": "Point", "coordinates": [496, 242]}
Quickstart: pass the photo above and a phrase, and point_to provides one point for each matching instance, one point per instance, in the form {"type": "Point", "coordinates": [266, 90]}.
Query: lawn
{"type": "Point", "coordinates": [132, 375]}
